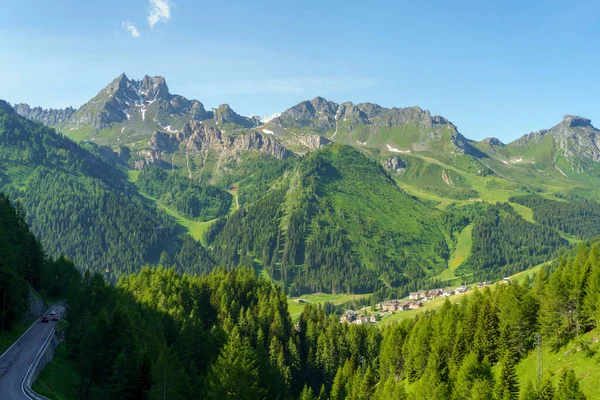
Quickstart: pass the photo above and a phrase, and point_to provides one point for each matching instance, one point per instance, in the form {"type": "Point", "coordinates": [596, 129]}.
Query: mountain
{"type": "Point", "coordinates": [51, 117]}
{"type": "Point", "coordinates": [572, 147]}
{"type": "Point", "coordinates": [335, 222]}
{"type": "Point", "coordinates": [76, 202]}
{"type": "Point", "coordinates": [219, 175]}
{"type": "Point", "coordinates": [203, 151]}
{"type": "Point", "coordinates": [127, 111]}
{"type": "Point", "coordinates": [395, 130]}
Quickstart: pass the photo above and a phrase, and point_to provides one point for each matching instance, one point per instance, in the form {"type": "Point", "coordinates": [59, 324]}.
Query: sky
{"type": "Point", "coordinates": [493, 68]}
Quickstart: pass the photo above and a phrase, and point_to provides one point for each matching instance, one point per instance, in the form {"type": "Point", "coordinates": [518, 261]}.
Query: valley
{"type": "Point", "coordinates": [207, 172]}
{"type": "Point", "coordinates": [299, 200]}
{"type": "Point", "coordinates": [397, 202]}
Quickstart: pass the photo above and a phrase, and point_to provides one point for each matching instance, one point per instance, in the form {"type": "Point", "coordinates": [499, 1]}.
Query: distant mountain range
{"type": "Point", "coordinates": [324, 196]}
{"type": "Point", "coordinates": [143, 115]}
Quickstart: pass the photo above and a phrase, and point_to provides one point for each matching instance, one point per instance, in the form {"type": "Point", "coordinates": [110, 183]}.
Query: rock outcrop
{"type": "Point", "coordinates": [225, 115]}
{"type": "Point", "coordinates": [49, 117]}
{"type": "Point", "coordinates": [574, 137]}
{"type": "Point", "coordinates": [199, 140]}
{"type": "Point", "coordinates": [395, 164]}
{"type": "Point", "coordinates": [492, 141]}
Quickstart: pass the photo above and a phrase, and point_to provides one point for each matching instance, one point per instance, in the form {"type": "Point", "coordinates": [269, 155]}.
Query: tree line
{"type": "Point", "coordinates": [229, 335]}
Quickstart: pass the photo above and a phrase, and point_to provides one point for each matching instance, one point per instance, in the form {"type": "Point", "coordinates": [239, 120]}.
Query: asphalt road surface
{"type": "Point", "coordinates": [15, 362]}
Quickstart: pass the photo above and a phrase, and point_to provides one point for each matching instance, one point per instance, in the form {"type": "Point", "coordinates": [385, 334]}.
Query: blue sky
{"type": "Point", "coordinates": [499, 69]}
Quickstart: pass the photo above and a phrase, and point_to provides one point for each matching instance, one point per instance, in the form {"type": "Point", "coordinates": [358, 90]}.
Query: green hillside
{"type": "Point", "coordinates": [77, 203]}
{"type": "Point", "coordinates": [338, 223]}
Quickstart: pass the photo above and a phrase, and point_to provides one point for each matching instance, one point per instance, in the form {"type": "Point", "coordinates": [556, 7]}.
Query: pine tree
{"type": "Point", "coordinates": [235, 373]}
{"type": "Point", "coordinates": [568, 387]}
{"type": "Point", "coordinates": [391, 390]}
{"type": "Point", "coordinates": [528, 392]}
{"type": "Point", "coordinates": [507, 387]}
{"type": "Point", "coordinates": [307, 394]}
{"type": "Point", "coordinates": [546, 389]}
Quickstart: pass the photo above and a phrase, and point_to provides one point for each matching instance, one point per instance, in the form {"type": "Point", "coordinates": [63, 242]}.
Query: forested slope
{"type": "Point", "coordinates": [336, 223]}
{"type": "Point", "coordinates": [229, 335]}
{"type": "Point", "coordinates": [23, 263]}
{"type": "Point", "coordinates": [75, 202]}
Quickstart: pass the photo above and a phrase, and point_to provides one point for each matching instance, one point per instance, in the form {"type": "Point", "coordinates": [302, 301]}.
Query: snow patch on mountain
{"type": "Point", "coordinates": [395, 150]}
{"type": "Point", "coordinates": [264, 120]}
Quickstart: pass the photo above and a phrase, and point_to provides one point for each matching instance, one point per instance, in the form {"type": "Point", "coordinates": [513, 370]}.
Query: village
{"type": "Point", "coordinates": [415, 300]}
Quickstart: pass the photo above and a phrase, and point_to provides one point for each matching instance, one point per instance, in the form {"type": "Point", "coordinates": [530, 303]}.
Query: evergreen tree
{"type": "Point", "coordinates": [507, 387]}
{"type": "Point", "coordinates": [568, 387]}
{"type": "Point", "coordinates": [528, 392]}
{"type": "Point", "coordinates": [546, 389]}
{"type": "Point", "coordinates": [235, 374]}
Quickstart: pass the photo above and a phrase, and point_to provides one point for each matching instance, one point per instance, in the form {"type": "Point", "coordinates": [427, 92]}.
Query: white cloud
{"type": "Point", "coordinates": [160, 10]}
{"type": "Point", "coordinates": [130, 27]}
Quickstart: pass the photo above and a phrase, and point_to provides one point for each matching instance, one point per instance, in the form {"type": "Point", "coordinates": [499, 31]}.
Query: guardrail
{"type": "Point", "coordinates": [26, 383]}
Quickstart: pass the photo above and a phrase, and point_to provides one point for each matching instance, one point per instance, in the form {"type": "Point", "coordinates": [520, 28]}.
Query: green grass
{"type": "Point", "coordinates": [529, 272]}
{"type": "Point", "coordinates": [585, 365]}
{"type": "Point", "coordinates": [133, 175]}
{"type": "Point", "coordinates": [435, 304]}
{"type": "Point", "coordinates": [295, 308]}
{"type": "Point", "coordinates": [525, 212]}
{"type": "Point", "coordinates": [59, 378]}
{"type": "Point", "coordinates": [459, 255]}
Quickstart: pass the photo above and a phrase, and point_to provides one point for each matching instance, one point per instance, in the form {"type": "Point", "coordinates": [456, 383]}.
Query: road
{"type": "Point", "coordinates": [15, 362]}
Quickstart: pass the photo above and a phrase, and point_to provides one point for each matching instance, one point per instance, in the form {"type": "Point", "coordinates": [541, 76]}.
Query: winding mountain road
{"type": "Point", "coordinates": [15, 362]}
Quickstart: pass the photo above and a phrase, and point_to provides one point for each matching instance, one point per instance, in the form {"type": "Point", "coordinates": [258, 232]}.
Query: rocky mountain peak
{"type": "Point", "coordinates": [492, 141]}
{"type": "Point", "coordinates": [225, 115]}
{"type": "Point", "coordinates": [152, 88]}
{"type": "Point", "coordinates": [322, 105]}
{"type": "Point", "coordinates": [121, 82]}
{"type": "Point", "coordinates": [576, 121]}
{"type": "Point", "coordinates": [49, 117]}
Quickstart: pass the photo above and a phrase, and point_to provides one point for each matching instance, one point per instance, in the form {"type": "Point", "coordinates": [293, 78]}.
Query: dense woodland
{"type": "Point", "coordinates": [229, 335]}
{"type": "Point", "coordinates": [188, 198]}
{"type": "Point", "coordinates": [579, 217]}
{"type": "Point", "coordinates": [327, 227]}
{"type": "Point", "coordinates": [253, 175]}
{"type": "Point", "coordinates": [76, 203]}
{"type": "Point", "coordinates": [24, 265]}
{"type": "Point", "coordinates": [504, 243]}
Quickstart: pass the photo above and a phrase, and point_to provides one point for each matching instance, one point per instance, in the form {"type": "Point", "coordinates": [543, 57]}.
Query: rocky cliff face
{"type": "Point", "coordinates": [372, 125]}
{"type": "Point", "coordinates": [573, 137]}
{"type": "Point", "coordinates": [199, 137]}
{"type": "Point", "coordinates": [136, 109]}
{"type": "Point", "coordinates": [225, 115]}
{"type": "Point", "coordinates": [395, 164]}
{"type": "Point", "coordinates": [49, 117]}
{"type": "Point", "coordinates": [304, 143]}
{"type": "Point", "coordinates": [198, 141]}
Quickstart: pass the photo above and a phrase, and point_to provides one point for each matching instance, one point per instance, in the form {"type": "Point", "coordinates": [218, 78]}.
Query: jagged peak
{"type": "Point", "coordinates": [153, 87]}
{"type": "Point", "coordinates": [493, 141]}
{"type": "Point", "coordinates": [576, 121]}
{"type": "Point", "coordinates": [224, 106]}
